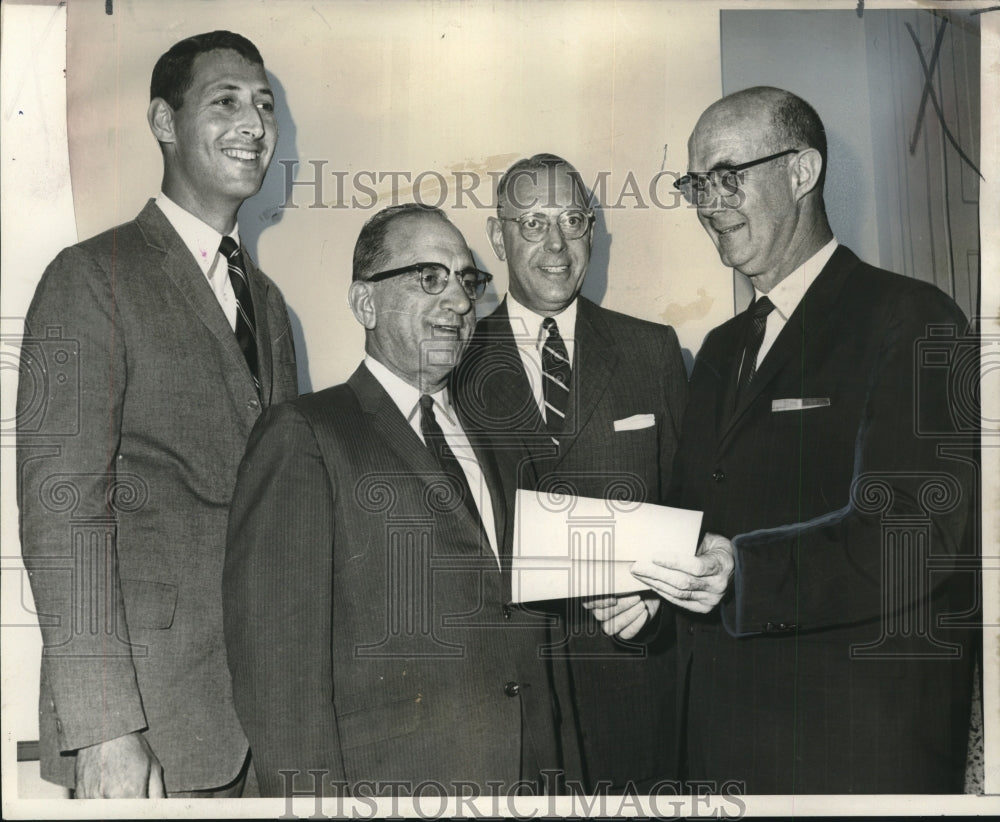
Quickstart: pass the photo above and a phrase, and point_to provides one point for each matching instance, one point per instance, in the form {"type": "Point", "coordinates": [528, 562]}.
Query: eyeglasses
{"type": "Point", "coordinates": [434, 278]}
{"type": "Point", "coordinates": [696, 186]}
{"type": "Point", "coordinates": [573, 224]}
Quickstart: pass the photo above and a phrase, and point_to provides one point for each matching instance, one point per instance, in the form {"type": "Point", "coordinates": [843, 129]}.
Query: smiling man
{"type": "Point", "coordinates": [176, 341]}
{"type": "Point", "coordinates": [370, 642]}
{"type": "Point", "coordinates": [827, 630]}
{"type": "Point", "coordinates": [588, 401]}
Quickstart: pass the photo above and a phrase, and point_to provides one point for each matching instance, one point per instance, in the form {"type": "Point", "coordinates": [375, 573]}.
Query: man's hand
{"type": "Point", "coordinates": [694, 583]}
{"type": "Point", "coordinates": [121, 767]}
{"type": "Point", "coordinates": [623, 616]}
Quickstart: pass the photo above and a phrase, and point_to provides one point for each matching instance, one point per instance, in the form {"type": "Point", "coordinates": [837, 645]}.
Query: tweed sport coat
{"type": "Point", "coordinates": [134, 407]}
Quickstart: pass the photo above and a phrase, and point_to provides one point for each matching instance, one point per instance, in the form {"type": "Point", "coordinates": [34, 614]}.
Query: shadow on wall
{"type": "Point", "coordinates": [264, 210]}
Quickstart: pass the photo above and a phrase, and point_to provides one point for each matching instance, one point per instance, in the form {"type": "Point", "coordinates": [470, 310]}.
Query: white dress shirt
{"type": "Point", "coordinates": [787, 295]}
{"type": "Point", "coordinates": [530, 337]}
{"type": "Point", "coordinates": [407, 400]}
{"type": "Point", "coordinates": [203, 242]}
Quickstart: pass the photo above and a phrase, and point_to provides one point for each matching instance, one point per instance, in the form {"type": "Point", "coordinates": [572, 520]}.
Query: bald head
{"type": "Point", "coordinates": [778, 117]}
{"type": "Point", "coordinates": [759, 159]}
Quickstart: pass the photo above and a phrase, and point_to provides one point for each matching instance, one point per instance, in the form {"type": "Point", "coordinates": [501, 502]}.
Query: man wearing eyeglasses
{"type": "Point", "coordinates": [586, 401]}
{"type": "Point", "coordinates": [813, 645]}
{"type": "Point", "coordinates": [366, 627]}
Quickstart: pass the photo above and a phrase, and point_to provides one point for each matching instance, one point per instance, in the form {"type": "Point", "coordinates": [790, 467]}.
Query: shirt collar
{"type": "Point", "coordinates": [527, 325]}
{"type": "Point", "coordinates": [405, 396]}
{"type": "Point", "coordinates": [200, 238]}
{"type": "Point", "coordinates": [787, 294]}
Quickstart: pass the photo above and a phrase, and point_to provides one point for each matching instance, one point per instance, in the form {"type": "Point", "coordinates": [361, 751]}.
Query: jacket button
{"type": "Point", "coordinates": [512, 689]}
{"type": "Point", "coordinates": [506, 612]}
{"type": "Point", "coordinates": [253, 405]}
{"type": "Point", "coordinates": [719, 475]}
{"type": "Point", "coordinates": [691, 630]}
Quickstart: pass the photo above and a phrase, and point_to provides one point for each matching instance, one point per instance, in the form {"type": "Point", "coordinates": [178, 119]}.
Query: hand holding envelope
{"type": "Point", "coordinates": [694, 583]}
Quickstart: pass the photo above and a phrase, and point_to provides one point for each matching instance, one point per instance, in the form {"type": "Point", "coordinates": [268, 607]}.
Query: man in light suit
{"type": "Point", "coordinates": [604, 426]}
{"type": "Point", "coordinates": [367, 567]}
{"type": "Point", "coordinates": [148, 356]}
{"type": "Point", "coordinates": [826, 450]}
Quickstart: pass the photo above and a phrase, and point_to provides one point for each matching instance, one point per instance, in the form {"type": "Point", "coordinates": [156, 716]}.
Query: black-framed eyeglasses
{"type": "Point", "coordinates": [434, 278]}
{"type": "Point", "coordinates": [573, 224]}
{"type": "Point", "coordinates": [698, 185]}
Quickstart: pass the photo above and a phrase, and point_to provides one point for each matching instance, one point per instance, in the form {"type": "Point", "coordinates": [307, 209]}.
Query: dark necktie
{"type": "Point", "coordinates": [444, 456]}
{"type": "Point", "coordinates": [755, 337]}
{"type": "Point", "coordinates": [555, 378]}
{"type": "Point", "coordinates": [246, 330]}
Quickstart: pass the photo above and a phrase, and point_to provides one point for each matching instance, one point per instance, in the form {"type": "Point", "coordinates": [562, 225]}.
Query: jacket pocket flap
{"type": "Point", "coordinates": [149, 604]}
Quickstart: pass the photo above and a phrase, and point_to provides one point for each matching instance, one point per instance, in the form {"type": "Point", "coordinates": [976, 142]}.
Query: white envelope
{"type": "Point", "coordinates": [568, 546]}
{"type": "Point", "coordinates": [635, 422]}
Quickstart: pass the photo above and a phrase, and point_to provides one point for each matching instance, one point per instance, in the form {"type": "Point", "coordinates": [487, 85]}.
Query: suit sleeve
{"type": "Point", "coordinates": [69, 408]}
{"type": "Point", "coordinates": [829, 571]}
{"type": "Point", "coordinates": [277, 603]}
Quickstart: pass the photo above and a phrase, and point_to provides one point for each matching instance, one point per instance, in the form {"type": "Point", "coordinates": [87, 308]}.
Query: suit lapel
{"type": "Point", "coordinates": [258, 293]}
{"type": "Point", "coordinates": [403, 441]}
{"type": "Point", "coordinates": [594, 361]}
{"type": "Point", "coordinates": [180, 268]}
{"type": "Point", "coordinates": [809, 326]}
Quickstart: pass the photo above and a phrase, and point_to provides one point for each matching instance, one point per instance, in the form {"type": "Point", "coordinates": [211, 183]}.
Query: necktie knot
{"type": "Point", "coordinates": [228, 247]}
{"type": "Point", "coordinates": [427, 409]}
{"type": "Point", "coordinates": [761, 308]}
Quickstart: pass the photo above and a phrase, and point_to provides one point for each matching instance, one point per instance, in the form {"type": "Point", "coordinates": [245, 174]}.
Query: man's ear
{"type": "Point", "coordinates": [161, 120]}
{"type": "Point", "coordinates": [494, 230]}
{"type": "Point", "coordinates": [359, 295]}
{"type": "Point", "coordinates": [806, 168]}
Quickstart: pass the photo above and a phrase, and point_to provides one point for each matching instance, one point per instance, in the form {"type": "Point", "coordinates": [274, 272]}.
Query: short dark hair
{"type": "Point", "coordinates": [369, 250]}
{"type": "Point", "coordinates": [172, 74]}
{"type": "Point", "coordinates": [537, 162]}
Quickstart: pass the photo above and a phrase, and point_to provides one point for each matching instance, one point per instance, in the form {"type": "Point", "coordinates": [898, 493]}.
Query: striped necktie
{"type": "Point", "coordinates": [555, 378]}
{"type": "Point", "coordinates": [246, 330]}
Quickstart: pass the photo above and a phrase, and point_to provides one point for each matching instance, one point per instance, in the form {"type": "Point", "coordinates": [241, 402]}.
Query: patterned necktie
{"type": "Point", "coordinates": [555, 378]}
{"type": "Point", "coordinates": [755, 337]}
{"type": "Point", "coordinates": [246, 330]}
{"type": "Point", "coordinates": [444, 456]}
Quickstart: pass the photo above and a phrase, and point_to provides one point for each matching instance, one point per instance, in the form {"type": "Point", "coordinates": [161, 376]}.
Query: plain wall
{"type": "Point", "coordinates": [398, 87]}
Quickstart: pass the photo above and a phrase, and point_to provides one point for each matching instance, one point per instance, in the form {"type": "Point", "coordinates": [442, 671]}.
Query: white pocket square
{"type": "Point", "coordinates": [635, 422]}
{"type": "Point", "coordinates": [799, 403]}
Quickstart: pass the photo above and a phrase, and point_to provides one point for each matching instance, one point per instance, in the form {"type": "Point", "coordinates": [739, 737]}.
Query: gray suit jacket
{"type": "Point", "coordinates": [134, 407]}
{"type": "Point", "coordinates": [624, 693]}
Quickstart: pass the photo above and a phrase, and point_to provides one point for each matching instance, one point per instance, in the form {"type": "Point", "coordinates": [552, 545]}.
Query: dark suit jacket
{"type": "Point", "coordinates": [365, 624]}
{"type": "Point", "coordinates": [624, 692]}
{"type": "Point", "coordinates": [829, 671]}
{"type": "Point", "coordinates": [134, 407]}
